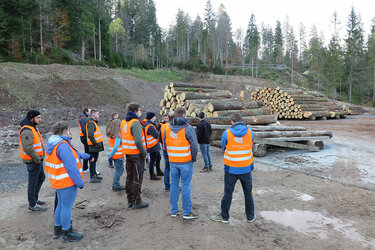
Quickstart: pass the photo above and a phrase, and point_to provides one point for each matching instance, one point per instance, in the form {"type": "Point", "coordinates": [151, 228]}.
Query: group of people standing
{"type": "Point", "coordinates": [133, 140]}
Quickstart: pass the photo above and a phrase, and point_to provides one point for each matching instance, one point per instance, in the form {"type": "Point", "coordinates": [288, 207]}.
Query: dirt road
{"type": "Point", "coordinates": [322, 200]}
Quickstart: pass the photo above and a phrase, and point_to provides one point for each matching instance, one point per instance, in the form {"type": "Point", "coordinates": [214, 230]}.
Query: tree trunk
{"type": "Point", "coordinates": [233, 105]}
{"type": "Point", "coordinates": [100, 41]}
{"type": "Point", "coordinates": [94, 39]}
{"type": "Point", "coordinates": [316, 114]}
{"type": "Point", "coordinates": [116, 37]}
{"type": "Point", "coordinates": [250, 120]}
{"type": "Point", "coordinates": [212, 95]}
{"type": "Point", "coordinates": [41, 28]}
{"type": "Point", "coordinates": [190, 85]}
{"type": "Point", "coordinates": [245, 112]}
{"type": "Point", "coordinates": [279, 134]}
{"type": "Point", "coordinates": [83, 49]}
{"type": "Point", "coordinates": [373, 90]}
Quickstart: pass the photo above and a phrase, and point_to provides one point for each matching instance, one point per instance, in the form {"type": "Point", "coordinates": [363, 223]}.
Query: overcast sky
{"type": "Point", "coordinates": [318, 12]}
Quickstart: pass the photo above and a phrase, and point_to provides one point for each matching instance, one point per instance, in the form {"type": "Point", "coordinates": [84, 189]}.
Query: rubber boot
{"type": "Point", "coordinates": [57, 232]}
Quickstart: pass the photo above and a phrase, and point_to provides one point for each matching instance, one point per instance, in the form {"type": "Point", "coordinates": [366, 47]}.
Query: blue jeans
{"type": "Point", "coordinates": [119, 169]}
{"type": "Point", "coordinates": [167, 170]}
{"type": "Point", "coordinates": [110, 161]}
{"type": "Point", "coordinates": [205, 150]}
{"type": "Point", "coordinates": [185, 172]}
{"type": "Point", "coordinates": [247, 186]}
{"type": "Point", "coordinates": [65, 201]}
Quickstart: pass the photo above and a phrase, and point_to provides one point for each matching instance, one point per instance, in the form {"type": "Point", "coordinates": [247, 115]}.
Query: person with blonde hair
{"type": "Point", "coordinates": [116, 152]}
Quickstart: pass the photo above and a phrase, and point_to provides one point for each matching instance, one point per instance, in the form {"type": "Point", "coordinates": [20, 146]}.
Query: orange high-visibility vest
{"type": "Point", "coordinates": [163, 126]}
{"type": "Point", "coordinates": [120, 151]}
{"type": "Point", "coordinates": [128, 141]}
{"type": "Point", "coordinates": [97, 134]}
{"type": "Point", "coordinates": [238, 151]}
{"type": "Point", "coordinates": [150, 140]}
{"type": "Point", "coordinates": [55, 169]}
{"type": "Point", "coordinates": [178, 147]}
{"type": "Point", "coordinates": [38, 143]}
{"type": "Point", "coordinates": [79, 125]}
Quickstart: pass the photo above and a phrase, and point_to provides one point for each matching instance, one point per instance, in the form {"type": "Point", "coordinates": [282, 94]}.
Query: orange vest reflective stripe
{"type": "Point", "coordinates": [163, 126]}
{"type": "Point", "coordinates": [79, 125]}
{"type": "Point", "coordinates": [119, 153]}
{"type": "Point", "coordinates": [178, 148]}
{"type": "Point", "coordinates": [150, 140]}
{"type": "Point", "coordinates": [238, 151]}
{"type": "Point", "coordinates": [38, 144]}
{"type": "Point", "coordinates": [128, 141]}
{"type": "Point", "coordinates": [97, 134]}
{"type": "Point", "coordinates": [55, 169]}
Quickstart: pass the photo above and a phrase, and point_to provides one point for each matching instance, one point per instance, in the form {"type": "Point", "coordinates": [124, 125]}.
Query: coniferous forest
{"type": "Point", "coordinates": [119, 33]}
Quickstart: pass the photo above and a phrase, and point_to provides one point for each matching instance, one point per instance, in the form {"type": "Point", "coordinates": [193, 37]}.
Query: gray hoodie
{"type": "Point", "coordinates": [179, 123]}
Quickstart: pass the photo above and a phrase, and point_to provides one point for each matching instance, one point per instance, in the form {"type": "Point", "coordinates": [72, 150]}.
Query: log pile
{"type": "Point", "coordinates": [297, 104]}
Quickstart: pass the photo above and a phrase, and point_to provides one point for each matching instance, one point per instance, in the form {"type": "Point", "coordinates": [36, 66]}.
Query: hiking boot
{"type": "Point", "coordinates": [120, 188]}
{"type": "Point", "coordinates": [130, 204]}
{"type": "Point", "coordinates": [252, 220]}
{"type": "Point", "coordinates": [219, 218]}
{"type": "Point", "coordinates": [175, 215]}
{"type": "Point", "coordinates": [210, 168]}
{"type": "Point", "coordinates": [140, 205]}
{"type": "Point", "coordinates": [70, 236]}
{"type": "Point", "coordinates": [95, 180]}
{"type": "Point", "coordinates": [205, 170]}
{"type": "Point", "coordinates": [39, 202]}
{"type": "Point", "coordinates": [37, 208]}
{"type": "Point", "coordinates": [160, 174]}
{"type": "Point", "coordinates": [98, 177]}
{"type": "Point", "coordinates": [154, 177]}
{"type": "Point", "coordinates": [57, 232]}
{"type": "Point", "coordinates": [190, 216]}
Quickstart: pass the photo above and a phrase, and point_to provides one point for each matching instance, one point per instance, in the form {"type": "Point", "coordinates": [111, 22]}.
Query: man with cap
{"type": "Point", "coordinates": [32, 153]}
{"type": "Point", "coordinates": [153, 148]}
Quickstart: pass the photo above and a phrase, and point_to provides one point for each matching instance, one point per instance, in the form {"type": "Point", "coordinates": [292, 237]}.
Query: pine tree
{"type": "Point", "coordinates": [252, 41]}
{"type": "Point", "coordinates": [371, 59]}
{"type": "Point", "coordinates": [278, 43]}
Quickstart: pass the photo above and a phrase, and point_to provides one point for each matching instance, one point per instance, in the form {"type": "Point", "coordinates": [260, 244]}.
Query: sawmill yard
{"type": "Point", "coordinates": [305, 198]}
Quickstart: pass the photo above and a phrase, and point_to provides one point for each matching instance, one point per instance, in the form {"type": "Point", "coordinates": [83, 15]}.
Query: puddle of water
{"type": "Point", "coordinates": [303, 196]}
{"type": "Point", "coordinates": [308, 222]}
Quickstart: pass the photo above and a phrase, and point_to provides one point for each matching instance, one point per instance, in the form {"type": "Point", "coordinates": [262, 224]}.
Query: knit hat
{"type": "Point", "coordinates": [32, 113]}
{"type": "Point", "coordinates": [150, 115]}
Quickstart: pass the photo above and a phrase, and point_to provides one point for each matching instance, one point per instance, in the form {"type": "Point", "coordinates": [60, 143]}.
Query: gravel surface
{"type": "Point", "coordinates": [12, 178]}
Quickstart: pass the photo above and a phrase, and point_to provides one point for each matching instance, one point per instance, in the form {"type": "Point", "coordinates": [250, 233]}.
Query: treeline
{"type": "Point", "coordinates": [126, 34]}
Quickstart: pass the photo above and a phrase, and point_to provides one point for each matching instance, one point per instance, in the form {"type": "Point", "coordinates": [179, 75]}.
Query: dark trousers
{"type": "Point", "coordinates": [94, 155]}
{"type": "Point", "coordinates": [135, 165]}
{"type": "Point", "coordinates": [247, 186]}
{"type": "Point", "coordinates": [85, 165]}
{"type": "Point", "coordinates": [155, 157]}
{"type": "Point", "coordinates": [36, 179]}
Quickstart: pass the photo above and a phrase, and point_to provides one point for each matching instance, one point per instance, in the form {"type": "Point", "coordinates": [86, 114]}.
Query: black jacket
{"type": "Point", "coordinates": [204, 132]}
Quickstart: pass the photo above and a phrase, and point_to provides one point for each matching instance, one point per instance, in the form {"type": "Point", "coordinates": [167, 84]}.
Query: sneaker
{"type": "Point", "coordinates": [110, 166]}
{"type": "Point", "coordinates": [86, 171]}
{"type": "Point", "coordinates": [204, 170]}
{"type": "Point", "coordinates": [95, 180]}
{"type": "Point", "coordinates": [98, 173]}
{"type": "Point", "coordinates": [160, 174]}
{"type": "Point", "coordinates": [140, 205]}
{"type": "Point", "coordinates": [120, 188]}
{"type": "Point", "coordinates": [219, 218]}
{"type": "Point", "coordinates": [175, 215]}
{"type": "Point", "coordinates": [155, 178]}
{"type": "Point", "coordinates": [252, 220]}
{"type": "Point", "coordinates": [37, 208]}
{"type": "Point", "coordinates": [130, 204]}
{"type": "Point", "coordinates": [167, 190]}
{"type": "Point", "coordinates": [190, 216]}
{"type": "Point", "coordinates": [210, 168]}
{"type": "Point", "coordinates": [39, 202]}
{"type": "Point", "coordinates": [98, 177]}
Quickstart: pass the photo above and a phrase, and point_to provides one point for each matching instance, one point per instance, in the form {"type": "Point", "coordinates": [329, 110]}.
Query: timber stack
{"type": "Point", "coordinates": [218, 105]}
{"type": "Point", "coordinates": [298, 104]}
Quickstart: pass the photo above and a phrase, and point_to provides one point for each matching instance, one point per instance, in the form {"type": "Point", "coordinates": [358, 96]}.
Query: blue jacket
{"type": "Point", "coordinates": [115, 147]}
{"type": "Point", "coordinates": [179, 123]}
{"type": "Point", "coordinates": [65, 154]}
{"type": "Point", "coordinates": [239, 130]}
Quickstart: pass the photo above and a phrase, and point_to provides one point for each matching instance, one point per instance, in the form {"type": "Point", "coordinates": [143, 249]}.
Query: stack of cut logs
{"type": "Point", "coordinates": [297, 104]}
{"type": "Point", "coordinates": [218, 105]}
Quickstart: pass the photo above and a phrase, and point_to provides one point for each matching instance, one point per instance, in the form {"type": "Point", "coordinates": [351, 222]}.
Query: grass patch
{"type": "Point", "coordinates": [157, 75]}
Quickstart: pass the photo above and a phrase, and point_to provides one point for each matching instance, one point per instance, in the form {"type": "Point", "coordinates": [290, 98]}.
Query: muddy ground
{"type": "Point", "coordinates": [303, 200]}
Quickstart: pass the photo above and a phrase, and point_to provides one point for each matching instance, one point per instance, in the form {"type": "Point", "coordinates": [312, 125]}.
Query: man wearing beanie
{"type": "Point", "coordinates": [32, 154]}
{"type": "Point", "coordinates": [152, 142]}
